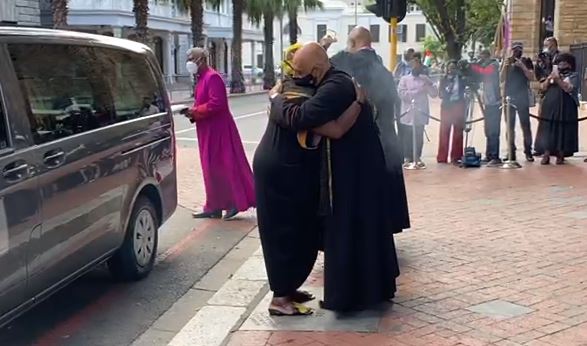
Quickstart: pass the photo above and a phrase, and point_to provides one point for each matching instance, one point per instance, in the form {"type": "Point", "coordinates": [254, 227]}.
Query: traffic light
{"type": "Point", "coordinates": [387, 9]}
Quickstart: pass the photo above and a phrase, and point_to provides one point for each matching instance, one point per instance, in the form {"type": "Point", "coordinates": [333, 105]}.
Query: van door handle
{"type": "Point", "coordinates": [54, 158]}
{"type": "Point", "coordinates": [16, 172]}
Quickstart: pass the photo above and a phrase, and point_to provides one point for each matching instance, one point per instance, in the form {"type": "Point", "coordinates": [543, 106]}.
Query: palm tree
{"type": "Point", "coordinates": [237, 84]}
{"type": "Point", "coordinates": [292, 7]}
{"type": "Point", "coordinates": [266, 11]}
{"type": "Point", "coordinates": [196, 9]}
{"type": "Point", "coordinates": [60, 11]}
{"type": "Point", "coordinates": [141, 11]}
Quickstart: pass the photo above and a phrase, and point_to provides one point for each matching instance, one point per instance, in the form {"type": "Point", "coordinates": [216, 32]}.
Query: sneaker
{"type": "Point", "coordinates": [529, 158]}
{"type": "Point", "coordinates": [420, 164]}
{"type": "Point", "coordinates": [494, 163]}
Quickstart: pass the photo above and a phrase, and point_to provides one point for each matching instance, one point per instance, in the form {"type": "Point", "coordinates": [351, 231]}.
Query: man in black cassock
{"type": "Point", "coordinates": [360, 259]}
{"type": "Point", "coordinates": [362, 62]}
{"type": "Point", "coordinates": [287, 184]}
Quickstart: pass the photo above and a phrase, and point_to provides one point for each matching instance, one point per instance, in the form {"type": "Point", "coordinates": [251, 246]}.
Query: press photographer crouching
{"type": "Point", "coordinates": [558, 129]}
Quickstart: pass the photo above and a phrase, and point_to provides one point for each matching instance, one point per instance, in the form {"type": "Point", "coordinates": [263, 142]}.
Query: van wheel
{"type": "Point", "coordinates": [136, 257]}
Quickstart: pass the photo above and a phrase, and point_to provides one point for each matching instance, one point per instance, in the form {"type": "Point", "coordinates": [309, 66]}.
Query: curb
{"type": "Point", "coordinates": [218, 303]}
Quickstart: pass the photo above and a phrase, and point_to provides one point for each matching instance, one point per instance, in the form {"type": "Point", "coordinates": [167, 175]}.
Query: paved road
{"type": "Point", "coordinates": [251, 119]}
{"type": "Point", "coordinates": [96, 311]}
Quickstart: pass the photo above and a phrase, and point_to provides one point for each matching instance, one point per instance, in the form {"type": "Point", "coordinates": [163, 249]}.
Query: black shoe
{"type": "Point", "coordinates": [217, 214]}
{"type": "Point", "coordinates": [494, 163]}
{"type": "Point", "coordinates": [230, 214]}
{"type": "Point", "coordinates": [529, 158]}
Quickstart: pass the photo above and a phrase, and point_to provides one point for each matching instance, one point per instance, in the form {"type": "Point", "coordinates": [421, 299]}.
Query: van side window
{"type": "Point", "coordinates": [64, 87]}
{"type": "Point", "coordinates": [3, 129]}
{"type": "Point", "coordinates": [134, 87]}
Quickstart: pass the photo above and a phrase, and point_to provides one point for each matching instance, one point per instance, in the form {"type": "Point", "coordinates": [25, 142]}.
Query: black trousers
{"type": "Point", "coordinates": [492, 131]}
{"type": "Point", "coordinates": [523, 111]}
{"type": "Point", "coordinates": [406, 137]}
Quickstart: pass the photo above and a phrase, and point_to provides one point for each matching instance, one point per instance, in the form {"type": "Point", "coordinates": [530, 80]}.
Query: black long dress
{"type": "Point", "coordinates": [287, 188]}
{"type": "Point", "coordinates": [360, 259]}
{"type": "Point", "coordinates": [366, 67]}
{"type": "Point", "coordinates": [559, 132]}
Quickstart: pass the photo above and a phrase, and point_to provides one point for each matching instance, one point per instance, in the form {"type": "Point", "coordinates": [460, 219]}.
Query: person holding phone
{"type": "Point", "coordinates": [558, 131]}
{"type": "Point", "coordinates": [517, 73]}
{"type": "Point", "coordinates": [414, 90]}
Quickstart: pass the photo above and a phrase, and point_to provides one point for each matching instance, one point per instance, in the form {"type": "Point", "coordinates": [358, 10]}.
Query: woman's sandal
{"type": "Point", "coordinates": [299, 310]}
{"type": "Point", "coordinates": [302, 297]}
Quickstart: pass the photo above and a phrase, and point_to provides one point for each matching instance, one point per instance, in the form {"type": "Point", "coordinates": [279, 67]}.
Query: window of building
{"type": "Point", "coordinates": [374, 32]}
{"type": "Point", "coordinates": [320, 31]}
{"type": "Point", "coordinates": [86, 88]}
{"type": "Point", "coordinates": [413, 8]}
{"type": "Point", "coordinates": [402, 33]}
{"type": "Point", "coordinates": [8, 11]}
{"type": "Point", "coordinates": [420, 32]}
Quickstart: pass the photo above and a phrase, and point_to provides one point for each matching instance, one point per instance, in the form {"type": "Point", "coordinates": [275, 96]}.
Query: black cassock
{"type": "Point", "coordinates": [287, 189]}
{"type": "Point", "coordinates": [360, 259]}
{"type": "Point", "coordinates": [366, 67]}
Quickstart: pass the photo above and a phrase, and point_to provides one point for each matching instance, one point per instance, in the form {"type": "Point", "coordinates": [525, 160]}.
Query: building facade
{"type": "Point", "coordinates": [170, 28]}
{"type": "Point", "coordinates": [529, 17]}
{"type": "Point", "coordinates": [341, 16]}
{"type": "Point", "coordinates": [20, 12]}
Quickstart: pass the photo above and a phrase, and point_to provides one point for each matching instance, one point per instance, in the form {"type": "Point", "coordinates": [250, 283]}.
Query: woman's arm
{"type": "Point", "coordinates": [565, 84]}
{"type": "Point", "coordinates": [337, 128]}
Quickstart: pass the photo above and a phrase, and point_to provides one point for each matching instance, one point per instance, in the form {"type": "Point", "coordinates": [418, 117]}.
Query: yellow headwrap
{"type": "Point", "coordinates": [289, 54]}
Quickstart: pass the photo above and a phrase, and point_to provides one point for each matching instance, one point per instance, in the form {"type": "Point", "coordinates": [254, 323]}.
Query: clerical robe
{"type": "Point", "coordinates": [360, 259]}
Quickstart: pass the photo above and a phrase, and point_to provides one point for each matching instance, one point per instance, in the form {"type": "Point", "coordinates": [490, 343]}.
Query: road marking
{"type": "Point", "coordinates": [188, 139]}
{"type": "Point", "coordinates": [238, 117]}
{"type": "Point", "coordinates": [212, 324]}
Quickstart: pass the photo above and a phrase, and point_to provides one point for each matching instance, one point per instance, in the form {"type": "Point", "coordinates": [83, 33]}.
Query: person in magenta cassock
{"type": "Point", "coordinates": [228, 177]}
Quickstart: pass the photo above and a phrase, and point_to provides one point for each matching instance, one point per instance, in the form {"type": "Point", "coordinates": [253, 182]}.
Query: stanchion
{"type": "Point", "coordinates": [511, 162]}
{"type": "Point", "coordinates": [414, 164]}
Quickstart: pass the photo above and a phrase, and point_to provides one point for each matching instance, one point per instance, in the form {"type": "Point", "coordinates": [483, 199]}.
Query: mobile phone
{"type": "Point", "coordinates": [555, 68]}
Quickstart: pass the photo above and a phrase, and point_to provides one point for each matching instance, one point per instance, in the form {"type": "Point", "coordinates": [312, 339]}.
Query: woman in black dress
{"type": "Point", "coordinates": [558, 129]}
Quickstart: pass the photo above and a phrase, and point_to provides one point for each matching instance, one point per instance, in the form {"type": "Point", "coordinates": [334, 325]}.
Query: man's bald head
{"type": "Point", "coordinates": [311, 59]}
{"type": "Point", "coordinates": [359, 38]}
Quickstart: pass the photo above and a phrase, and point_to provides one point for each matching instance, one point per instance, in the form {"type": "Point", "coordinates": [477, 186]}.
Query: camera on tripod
{"type": "Point", "coordinates": [470, 78]}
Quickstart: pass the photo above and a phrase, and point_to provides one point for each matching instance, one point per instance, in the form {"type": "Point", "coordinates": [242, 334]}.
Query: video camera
{"type": "Point", "coordinates": [471, 79]}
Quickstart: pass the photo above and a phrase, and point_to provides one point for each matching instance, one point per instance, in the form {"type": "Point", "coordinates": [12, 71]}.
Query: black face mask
{"type": "Point", "coordinates": [306, 81]}
{"type": "Point", "coordinates": [517, 54]}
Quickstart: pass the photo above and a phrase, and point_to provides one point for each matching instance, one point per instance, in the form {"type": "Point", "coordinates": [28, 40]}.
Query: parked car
{"type": "Point", "coordinates": [87, 161]}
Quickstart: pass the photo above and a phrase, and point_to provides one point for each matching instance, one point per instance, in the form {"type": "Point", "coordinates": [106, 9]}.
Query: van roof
{"type": "Point", "coordinates": [51, 34]}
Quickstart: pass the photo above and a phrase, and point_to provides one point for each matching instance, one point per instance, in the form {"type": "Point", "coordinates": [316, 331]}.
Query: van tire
{"type": "Point", "coordinates": [135, 259]}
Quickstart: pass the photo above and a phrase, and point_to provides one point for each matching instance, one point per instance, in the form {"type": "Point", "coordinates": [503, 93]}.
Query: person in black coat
{"type": "Point", "coordinates": [362, 62]}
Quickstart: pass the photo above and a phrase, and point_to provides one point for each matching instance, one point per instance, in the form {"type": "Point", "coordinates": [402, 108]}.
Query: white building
{"type": "Point", "coordinates": [20, 12]}
{"type": "Point", "coordinates": [169, 25]}
{"type": "Point", "coordinates": [343, 15]}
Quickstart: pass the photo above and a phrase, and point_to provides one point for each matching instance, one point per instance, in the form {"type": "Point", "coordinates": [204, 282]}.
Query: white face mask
{"type": "Point", "coordinates": [192, 67]}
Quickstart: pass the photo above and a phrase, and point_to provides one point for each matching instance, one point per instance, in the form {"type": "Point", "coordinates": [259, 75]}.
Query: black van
{"type": "Point", "coordinates": [87, 161]}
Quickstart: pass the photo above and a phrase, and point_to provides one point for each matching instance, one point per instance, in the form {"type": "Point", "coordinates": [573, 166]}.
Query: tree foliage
{"type": "Point", "coordinates": [457, 21]}
{"type": "Point", "coordinates": [437, 48]}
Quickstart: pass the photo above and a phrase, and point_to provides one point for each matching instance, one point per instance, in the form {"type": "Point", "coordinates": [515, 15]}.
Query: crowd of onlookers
{"type": "Point", "coordinates": [499, 81]}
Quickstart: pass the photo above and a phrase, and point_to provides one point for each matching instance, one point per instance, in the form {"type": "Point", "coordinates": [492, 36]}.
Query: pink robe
{"type": "Point", "coordinates": [228, 177]}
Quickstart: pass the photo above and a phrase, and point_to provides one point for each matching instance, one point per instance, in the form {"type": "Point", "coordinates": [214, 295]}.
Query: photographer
{"type": "Point", "coordinates": [543, 69]}
{"type": "Point", "coordinates": [452, 115]}
{"type": "Point", "coordinates": [517, 72]}
{"type": "Point", "coordinates": [488, 70]}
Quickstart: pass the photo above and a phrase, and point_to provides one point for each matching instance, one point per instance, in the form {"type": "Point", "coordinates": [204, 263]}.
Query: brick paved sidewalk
{"type": "Point", "coordinates": [495, 257]}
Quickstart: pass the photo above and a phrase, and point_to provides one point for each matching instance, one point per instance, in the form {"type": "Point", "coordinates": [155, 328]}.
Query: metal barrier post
{"type": "Point", "coordinates": [510, 163]}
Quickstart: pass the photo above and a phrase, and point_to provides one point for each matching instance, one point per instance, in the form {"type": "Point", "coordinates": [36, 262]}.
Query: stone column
{"type": "Point", "coordinates": [229, 54]}
{"type": "Point", "coordinates": [570, 22]}
{"type": "Point", "coordinates": [526, 24]}
{"type": "Point", "coordinates": [168, 57]}
{"type": "Point", "coordinates": [253, 63]}
{"type": "Point", "coordinates": [117, 32]}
